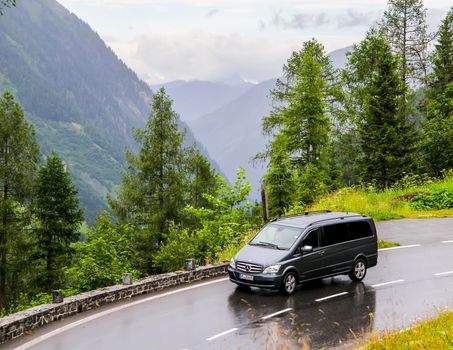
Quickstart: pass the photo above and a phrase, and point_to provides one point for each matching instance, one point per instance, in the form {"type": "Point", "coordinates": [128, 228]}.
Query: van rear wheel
{"type": "Point", "coordinates": [358, 271]}
{"type": "Point", "coordinates": [289, 283]}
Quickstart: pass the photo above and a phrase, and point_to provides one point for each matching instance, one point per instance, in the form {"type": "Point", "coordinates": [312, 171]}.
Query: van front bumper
{"type": "Point", "coordinates": [261, 280]}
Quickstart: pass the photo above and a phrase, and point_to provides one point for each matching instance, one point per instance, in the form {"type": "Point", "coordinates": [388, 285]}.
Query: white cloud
{"type": "Point", "coordinates": [212, 12]}
{"type": "Point", "coordinates": [166, 40]}
{"type": "Point", "coordinates": [300, 20]}
{"type": "Point", "coordinates": [353, 18]}
{"type": "Point", "coordinates": [201, 55]}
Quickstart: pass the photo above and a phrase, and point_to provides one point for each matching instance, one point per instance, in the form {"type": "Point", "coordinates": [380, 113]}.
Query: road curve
{"type": "Point", "coordinates": [409, 283]}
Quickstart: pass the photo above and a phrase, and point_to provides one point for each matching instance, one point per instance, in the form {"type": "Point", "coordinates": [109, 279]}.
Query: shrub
{"type": "Point", "coordinates": [104, 257]}
{"type": "Point", "coordinates": [433, 201]}
{"type": "Point", "coordinates": [180, 245]}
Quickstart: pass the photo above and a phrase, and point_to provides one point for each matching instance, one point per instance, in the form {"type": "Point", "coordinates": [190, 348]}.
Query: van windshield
{"type": "Point", "coordinates": [277, 236]}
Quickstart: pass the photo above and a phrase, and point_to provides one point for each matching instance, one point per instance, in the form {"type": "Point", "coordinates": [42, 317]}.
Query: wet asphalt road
{"type": "Point", "coordinates": [409, 284]}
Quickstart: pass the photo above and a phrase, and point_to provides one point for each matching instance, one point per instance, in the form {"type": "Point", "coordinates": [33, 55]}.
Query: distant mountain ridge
{"type": "Point", "coordinates": [192, 99]}
{"type": "Point", "coordinates": [232, 134]}
{"type": "Point", "coordinates": [82, 99]}
{"type": "Point", "coordinates": [339, 57]}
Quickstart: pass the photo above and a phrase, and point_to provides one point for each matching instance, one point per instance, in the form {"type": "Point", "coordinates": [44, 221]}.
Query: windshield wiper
{"type": "Point", "coordinates": [267, 244]}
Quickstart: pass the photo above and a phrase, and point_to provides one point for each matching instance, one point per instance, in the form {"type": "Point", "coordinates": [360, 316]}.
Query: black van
{"type": "Point", "coordinates": [314, 245]}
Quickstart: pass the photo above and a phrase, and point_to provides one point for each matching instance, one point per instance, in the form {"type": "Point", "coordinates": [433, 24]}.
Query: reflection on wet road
{"type": "Point", "coordinates": [309, 322]}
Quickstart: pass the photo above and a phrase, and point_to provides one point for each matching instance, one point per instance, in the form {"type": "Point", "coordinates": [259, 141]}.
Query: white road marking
{"type": "Point", "coordinates": [447, 241]}
{"type": "Point", "coordinates": [332, 296]}
{"type": "Point", "coordinates": [401, 247]}
{"type": "Point", "coordinates": [108, 312]}
{"type": "Point", "coordinates": [443, 273]}
{"type": "Point", "coordinates": [222, 334]}
{"type": "Point", "coordinates": [386, 283]}
{"type": "Point", "coordinates": [276, 313]}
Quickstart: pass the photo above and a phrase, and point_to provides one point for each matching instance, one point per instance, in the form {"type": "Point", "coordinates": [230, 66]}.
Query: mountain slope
{"type": "Point", "coordinates": [232, 134]}
{"type": "Point", "coordinates": [83, 101]}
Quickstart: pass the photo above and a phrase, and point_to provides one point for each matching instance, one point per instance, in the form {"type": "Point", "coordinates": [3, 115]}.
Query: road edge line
{"type": "Point", "coordinates": [386, 283]}
{"type": "Point", "coordinates": [69, 326]}
{"type": "Point", "coordinates": [443, 273]}
{"type": "Point", "coordinates": [400, 247]}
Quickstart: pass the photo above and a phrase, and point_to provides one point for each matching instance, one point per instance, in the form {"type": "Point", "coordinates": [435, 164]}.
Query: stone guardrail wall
{"type": "Point", "coordinates": [17, 324]}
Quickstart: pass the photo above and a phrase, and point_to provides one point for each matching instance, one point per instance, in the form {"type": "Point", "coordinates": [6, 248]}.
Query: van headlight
{"type": "Point", "coordinates": [272, 269]}
{"type": "Point", "coordinates": [232, 263]}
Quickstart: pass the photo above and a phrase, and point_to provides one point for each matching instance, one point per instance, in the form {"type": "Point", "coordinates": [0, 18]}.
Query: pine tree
{"type": "Point", "coordinates": [154, 189]}
{"type": "Point", "coordinates": [201, 178]}
{"type": "Point", "coordinates": [386, 137]}
{"type": "Point", "coordinates": [406, 29]}
{"type": "Point", "coordinates": [58, 218]}
{"type": "Point", "coordinates": [301, 115]}
{"type": "Point", "coordinates": [358, 74]}
{"type": "Point", "coordinates": [279, 179]}
{"type": "Point", "coordinates": [19, 155]}
{"type": "Point", "coordinates": [437, 142]}
{"type": "Point", "coordinates": [438, 125]}
{"type": "Point", "coordinates": [355, 77]}
{"type": "Point", "coordinates": [442, 58]}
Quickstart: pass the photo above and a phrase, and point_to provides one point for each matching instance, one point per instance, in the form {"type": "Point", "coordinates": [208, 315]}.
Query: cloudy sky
{"type": "Point", "coordinates": [221, 40]}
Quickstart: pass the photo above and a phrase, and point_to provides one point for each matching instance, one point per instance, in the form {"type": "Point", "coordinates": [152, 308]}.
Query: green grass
{"type": "Point", "coordinates": [385, 244]}
{"type": "Point", "coordinates": [432, 334]}
{"type": "Point", "coordinates": [389, 204]}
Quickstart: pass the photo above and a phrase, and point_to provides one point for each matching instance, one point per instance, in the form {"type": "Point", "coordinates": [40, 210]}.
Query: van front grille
{"type": "Point", "coordinates": [250, 268]}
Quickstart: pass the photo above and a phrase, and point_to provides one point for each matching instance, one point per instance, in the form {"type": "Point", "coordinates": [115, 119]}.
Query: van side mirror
{"type": "Point", "coordinates": [306, 249]}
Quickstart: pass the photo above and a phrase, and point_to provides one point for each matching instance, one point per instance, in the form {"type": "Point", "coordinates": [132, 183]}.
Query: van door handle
{"type": "Point", "coordinates": [321, 252]}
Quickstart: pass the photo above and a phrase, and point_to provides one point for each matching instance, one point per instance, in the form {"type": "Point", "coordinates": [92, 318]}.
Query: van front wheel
{"type": "Point", "coordinates": [358, 270]}
{"type": "Point", "coordinates": [289, 283]}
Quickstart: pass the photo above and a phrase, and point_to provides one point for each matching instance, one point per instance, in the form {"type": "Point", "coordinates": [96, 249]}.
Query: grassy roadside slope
{"type": "Point", "coordinates": [432, 334]}
{"type": "Point", "coordinates": [430, 200]}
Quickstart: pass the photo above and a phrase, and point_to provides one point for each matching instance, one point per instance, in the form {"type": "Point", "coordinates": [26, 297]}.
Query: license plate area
{"type": "Point", "coordinates": [245, 277]}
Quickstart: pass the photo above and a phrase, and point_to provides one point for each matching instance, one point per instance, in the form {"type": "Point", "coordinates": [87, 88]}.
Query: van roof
{"type": "Point", "coordinates": [310, 218]}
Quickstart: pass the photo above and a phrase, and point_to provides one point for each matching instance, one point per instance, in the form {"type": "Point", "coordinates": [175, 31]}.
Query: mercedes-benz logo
{"type": "Point", "coordinates": [247, 268]}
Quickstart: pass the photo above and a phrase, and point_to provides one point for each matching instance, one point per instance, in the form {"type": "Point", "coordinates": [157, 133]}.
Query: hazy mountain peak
{"type": "Point", "coordinates": [193, 99]}
{"type": "Point", "coordinates": [339, 57]}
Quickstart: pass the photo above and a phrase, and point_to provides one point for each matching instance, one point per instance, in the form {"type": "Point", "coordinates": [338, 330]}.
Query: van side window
{"type": "Point", "coordinates": [334, 234]}
{"type": "Point", "coordinates": [360, 229]}
{"type": "Point", "coordinates": [312, 239]}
